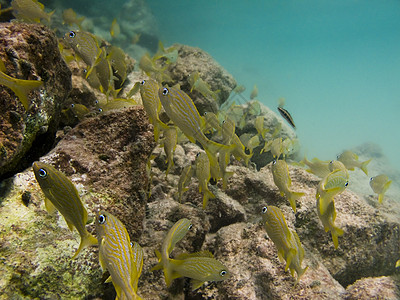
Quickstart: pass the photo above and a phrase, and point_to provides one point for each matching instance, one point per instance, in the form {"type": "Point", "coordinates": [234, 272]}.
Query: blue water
{"type": "Point", "coordinates": [337, 63]}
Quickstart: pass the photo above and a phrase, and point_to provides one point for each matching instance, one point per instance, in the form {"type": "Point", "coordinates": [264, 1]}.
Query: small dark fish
{"type": "Point", "coordinates": [286, 115]}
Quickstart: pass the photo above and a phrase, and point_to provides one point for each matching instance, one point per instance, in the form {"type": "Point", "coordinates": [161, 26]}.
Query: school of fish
{"type": "Point", "coordinates": [216, 132]}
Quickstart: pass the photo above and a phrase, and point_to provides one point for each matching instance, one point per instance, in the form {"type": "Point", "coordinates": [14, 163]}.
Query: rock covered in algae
{"type": "Point", "coordinates": [385, 288]}
{"type": "Point", "coordinates": [105, 158]}
{"type": "Point", "coordinates": [30, 51]}
{"type": "Point", "coordinates": [192, 59]}
{"type": "Point", "coordinates": [369, 246]}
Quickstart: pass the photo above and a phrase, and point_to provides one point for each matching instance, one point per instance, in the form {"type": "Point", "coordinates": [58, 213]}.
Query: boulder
{"type": "Point", "coordinates": [30, 51]}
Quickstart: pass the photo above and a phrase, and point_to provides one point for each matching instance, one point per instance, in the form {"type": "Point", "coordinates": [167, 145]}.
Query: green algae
{"type": "Point", "coordinates": [36, 250]}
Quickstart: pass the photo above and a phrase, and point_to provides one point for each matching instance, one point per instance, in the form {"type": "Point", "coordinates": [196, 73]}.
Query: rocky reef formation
{"type": "Point", "coordinates": [105, 157]}
{"type": "Point", "coordinates": [31, 52]}
{"type": "Point", "coordinates": [192, 59]}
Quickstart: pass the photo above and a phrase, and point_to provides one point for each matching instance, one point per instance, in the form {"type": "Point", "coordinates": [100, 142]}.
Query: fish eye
{"type": "Point", "coordinates": [100, 110]}
{"type": "Point", "coordinates": [165, 91]}
{"type": "Point", "coordinates": [224, 121]}
{"type": "Point", "coordinates": [264, 210]}
{"type": "Point", "coordinates": [205, 113]}
{"type": "Point", "coordinates": [372, 178]}
{"type": "Point", "coordinates": [143, 82]}
{"type": "Point", "coordinates": [102, 219]}
{"type": "Point", "coordinates": [72, 105]}
{"type": "Point", "coordinates": [223, 273]}
{"type": "Point", "coordinates": [274, 161]}
{"type": "Point", "coordinates": [198, 154]}
{"type": "Point", "coordinates": [190, 226]}
{"type": "Point", "coordinates": [43, 173]}
{"type": "Point", "coordinates": [331, 162]}
{"type": "Point", "coordinates": [72, 34]}
{"type": "Point", "coordinates": [346, 184]}
{"type": "Point", "coordinates": [96, 102]}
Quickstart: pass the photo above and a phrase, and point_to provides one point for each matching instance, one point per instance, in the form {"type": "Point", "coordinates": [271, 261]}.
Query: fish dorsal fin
{"type": "Point", "coordinates": [196, 254]}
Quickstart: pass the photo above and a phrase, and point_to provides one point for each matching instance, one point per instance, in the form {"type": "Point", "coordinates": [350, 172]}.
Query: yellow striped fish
{"type": "Point", "coordinates": [350, 160]}
{"type": "Point", "coordinates": [203, 175]}
{"type": "Point", "coordinates": [286, 240]}
{"type": "Point", "coordinates": [174, 235]}
{"type": "Point", "coordinates": [61, 193]}
{"type": "Point", "coordinates": [200, 267]}
{"type": "Point", "coordinates": [229, 137]}
{"type": "Point", "coordinates": [152, 105]}
{"type": "Point", "coordinates": [86, 46]}
{"type": "Point", "coordinates": [211, 122]}
{"type": "Point", "coordinates": [379, 185]}
{"type": "Point", "coordinates": [116, 255]}
{"type": "Point", "coordinates": [332, 184]}
{"type": "Point", "coordinates": [182, 111]}
{"type": "Point", "coordinates": [280, 173]}
{"type": "Point", "coordinates": [184, 181]}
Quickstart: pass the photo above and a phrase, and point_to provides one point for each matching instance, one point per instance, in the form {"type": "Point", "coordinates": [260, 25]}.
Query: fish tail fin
{"type": "Point", "coordinates": [336, 232]}
{"type": "Point", "coordinates": [364, 166]}
{"type": "Point", "coordinates": [86, 241]}
{"type": "Point", "coordinates": [169, 273]}
{"type": "Point", "coordinates": [169, 166]}
{"type": "Point", "coordinates": [207, 195]}
{"type": "Point", "coordinates": [214, 147]}
{"type": "Point", "coordinates": [158, 126]}
{"type": "Point", "coordinates": [159, 265]}
{"type": "Point", "coordinates": [263, 132]}
{"type": "Point", "coordinates": [302, 271]}
{"type": "Point", "coordinates": [293, 196]}
{"type": "Point", "coordinates": [22, 88]}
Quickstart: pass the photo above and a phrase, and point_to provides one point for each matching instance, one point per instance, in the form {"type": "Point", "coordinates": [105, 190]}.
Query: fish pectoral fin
{"type": "Point", "coordinates": [49, 206]}
{"type": "Point", "coordinates": [70, 225]}
{"type": "Point", "coordinates": [280, 256]}
{"type": "Point", "coordinates": [196, 284]}
{"type": "Point", "coordinates": [108, 280]}
{"type": "Point", "coordinates": [292, 253]}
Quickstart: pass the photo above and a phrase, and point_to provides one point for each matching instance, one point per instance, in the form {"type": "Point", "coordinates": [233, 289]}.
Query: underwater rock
{"type": "Point", "coordinates": [190, 60]}
{"type": "Point", "coordinates": [30, 51]}
{"type": "Point", "coordinates": [257, 272]}
{"type": "Point", "coordinates": [385, 288]}
{"type": "Point", "coordinates": [105, 157]}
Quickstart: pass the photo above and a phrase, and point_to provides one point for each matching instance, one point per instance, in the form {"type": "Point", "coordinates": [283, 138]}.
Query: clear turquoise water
{"type": "Point", "coordinates": [337, 63]}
